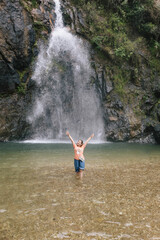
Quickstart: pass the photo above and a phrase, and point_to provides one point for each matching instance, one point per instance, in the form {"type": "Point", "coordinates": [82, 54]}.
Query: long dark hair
{"type": "Point", "coordinates": [81, 141]}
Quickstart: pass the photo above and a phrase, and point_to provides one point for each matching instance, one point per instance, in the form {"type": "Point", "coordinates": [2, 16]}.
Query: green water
{"type": "Point", "coordinates": [41, 197]}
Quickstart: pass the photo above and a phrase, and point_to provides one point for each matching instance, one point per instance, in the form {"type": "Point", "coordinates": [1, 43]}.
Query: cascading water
{"type": "Point", "coordinates": [65, 98]}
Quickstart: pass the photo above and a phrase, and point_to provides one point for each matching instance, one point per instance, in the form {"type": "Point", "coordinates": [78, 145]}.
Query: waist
{"type": "Point", "coordinates": [77, 156]}
{"type": "Point", "coordinates": [78, 159]}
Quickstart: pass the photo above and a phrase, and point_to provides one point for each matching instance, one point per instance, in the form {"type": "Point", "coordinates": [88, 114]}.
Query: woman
{"type": "Point", "coordinates": [79, 160]}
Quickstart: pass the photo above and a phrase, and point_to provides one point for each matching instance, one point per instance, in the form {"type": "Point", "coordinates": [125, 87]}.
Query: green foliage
{"type": "Point", "coordinates": [114, 4]}
{"type": "Point", "coordinates": [155, 48]}
{"type": "Point", "coordinates": [109, 31]}
{"type": "Point", "coordinates": [78, 2]}
{"type": "Point", "coordinates": [158, 102]}
{"type": "Point", "coordinates": [120, 79]}
{"type": "Point", "coordinates": [106, 4]}
{"type": "Point", "coordinates": [149, 27]}
{"type": "Point", "coordinates": [143, 17]}
{"type": "Point", "coordinates": [154, 64]}
{"type": "Point", "coordinates": [34, 3]}
{"type": "Point", "coordinates": [120, 52]}
{"type": "Point", "coordinates": [98, 40]}
{"type": "Point", "coordinates": [29, 4]}
{"type": "Point", "coordinates": [138, 111]}
{"type": "Point", "coordinates": [117, 23]}
{"type": "Point", "coordinates": [125, 49]}
{"type": "Point", "coordinates": [21, 88]}
{"type": "Point", "coordinates": [112, 29]}
{"type": "Point", "coordinates": [21, 75]}
{"type": "Point", "coordinates": [39, 26]}
{"type": "Point", "coordinates": [136, 13]}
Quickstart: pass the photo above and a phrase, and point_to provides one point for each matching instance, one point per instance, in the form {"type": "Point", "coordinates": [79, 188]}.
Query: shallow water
{"type": "Point", "coordinates": [41, 198]}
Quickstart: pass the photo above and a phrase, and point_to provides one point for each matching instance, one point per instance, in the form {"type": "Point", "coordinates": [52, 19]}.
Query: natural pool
{"type": "Point", "coordinates": [41, 198]}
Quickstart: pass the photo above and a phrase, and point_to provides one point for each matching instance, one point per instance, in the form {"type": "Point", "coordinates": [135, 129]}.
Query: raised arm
{"type": "Point", "coordinates": [89, 139]}
{"type": "Point", "coordinates": [67, 133]}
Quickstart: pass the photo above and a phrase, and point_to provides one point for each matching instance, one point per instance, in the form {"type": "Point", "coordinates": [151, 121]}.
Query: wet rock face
{"type": "Point", "coordinates": [137, 121]}
{"type": "Point", "coordinates": [73, 17]}
{"type": "Point", "coordinates": [9, 78]}
{"type": "Point", "coordinates": [44, 14]}
{"type": "Point", "coordinates": [13, 125]}
{"type": "Point", "coordinates": [17, 37]}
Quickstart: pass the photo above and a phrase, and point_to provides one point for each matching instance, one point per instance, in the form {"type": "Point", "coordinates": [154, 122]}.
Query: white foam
{"type": "Point", "coordinates": [2, 210]}
{"type": "Point", "coordinates": [57, 141]}
{"type": "Point", "coordinates": [103, 213]}
{"type": "Point", "coordinates": [40, 209]}
{"type": "Point", "coordinates": [76, 232]}
{"type": "Point", "coordinates": [44, 141]}
{"type": "Point", "coordinates": [98, 234]}
{"type": "Point", "coordinates": [118, 223]}
{"type": "Point", "coordinates": [124, 236]}
{"type": "Point", "coordinates": [61, 235]}
{"type": "Point", "coordinates": [128, 224]}
{"type": "Point", "coordinates": [98, 202]}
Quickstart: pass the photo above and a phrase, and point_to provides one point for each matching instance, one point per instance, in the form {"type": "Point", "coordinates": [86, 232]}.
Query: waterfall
{"type": "Point", "coordinates": [65, 97]}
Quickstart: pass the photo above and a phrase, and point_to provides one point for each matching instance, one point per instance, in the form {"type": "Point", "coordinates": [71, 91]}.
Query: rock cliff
{"type": "Point", "coordinates": [17, 37]}
{"type": "Point", "coordinates": [125, 62]}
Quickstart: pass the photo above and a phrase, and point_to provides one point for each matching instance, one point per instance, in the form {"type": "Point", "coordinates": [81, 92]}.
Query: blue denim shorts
{"type": "Point", "coordinates": [79, 165]}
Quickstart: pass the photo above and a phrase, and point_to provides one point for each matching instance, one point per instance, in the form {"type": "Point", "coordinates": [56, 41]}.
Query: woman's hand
{"type": "Point", "coordinates": [67, 133]}
{"type": "Point", "coordinates": [92, 135]}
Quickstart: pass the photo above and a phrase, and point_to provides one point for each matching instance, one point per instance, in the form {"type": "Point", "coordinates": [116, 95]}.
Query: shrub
{"type": "Point", "coordinates": [21, 89]}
